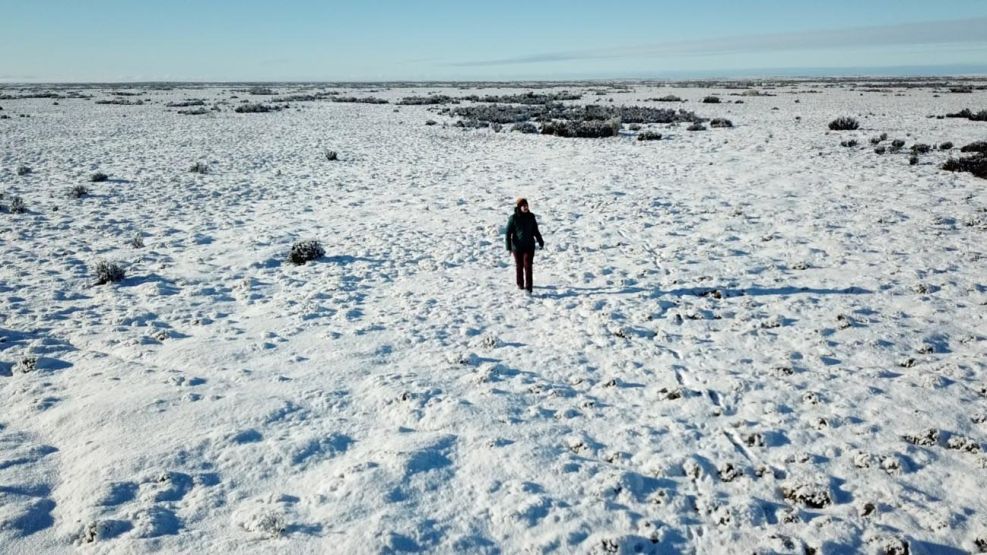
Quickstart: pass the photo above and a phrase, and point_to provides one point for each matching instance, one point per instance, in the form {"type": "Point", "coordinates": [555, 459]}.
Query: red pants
{"type": "Point", "coordinates": [522, 266]}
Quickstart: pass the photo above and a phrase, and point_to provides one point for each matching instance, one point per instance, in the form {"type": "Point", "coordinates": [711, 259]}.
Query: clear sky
{"type": "Point", "coordinates": [310, 40]}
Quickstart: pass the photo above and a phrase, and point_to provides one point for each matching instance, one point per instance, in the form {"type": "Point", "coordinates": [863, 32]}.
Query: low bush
{"type": "Point", "coordinates": [137, 241]}
{"type": "Point", "coordinates": [200, 168]}
{"type": "Point", "coordinates": [634, 127]}
{"type": "Point", "coordinates": [194, 112]}
{"type": "Point", "coordinates": [108, 272]}
{"type": "Point", "coordinates": [897, 144]}
{"type": "Point", "coordinates": [720, 122]}
{"type": "Point", "coordinates": [696, 126]}
{"type": "Point", "coordinates": [977, 165]}
{"type": "Point", "coordinates": [254, 108]}
{"type": "Point", "coordinates": [880, 150]}
{"type": "Point", "coordinates": [78, 191]}
{"type": "Point", "coordinates": [921, 148]}
{"type": "Point", "coordinates": [98, 177]}
{"type": "Point", "coordinates": [23, 170]}
{"type": "Point", "coordinates": [359, 99]}
{"type": "Point", "coordinates": [668, 98]}
{"type": "Point", "coordinates": [844, 124]}
{"type": "Point", "coordinates": [430, 122]}
{"type": "Point", "coordinates": [525, 127]}
{"type": "Point", "coordinates": [304, 251]}
{"type": "Point", "coordinates": [582, 129]}
{"type": "Point", "coordinates": [427, 100]}
{"type": "Point", "coordinates": [849, 144]}
{"type": "Point", "coordinates": [966, 113]}
{"type": "Point", "coordinates": [17, 205]}
{"type": "Point", "coordinates": [945, 146]}
{"type": "Point", "coordinates": [978, 146]}
{"type": "Point", "coordinates": [648, 136]}
{"type": "Point", "coordinates": [332, 155]}
{"type": "Point", "coordinates": [912, 160]}
{"type": "Point", "coordinates": [711, 100]}
{"type": "Point", "coordinates": [879, 139]}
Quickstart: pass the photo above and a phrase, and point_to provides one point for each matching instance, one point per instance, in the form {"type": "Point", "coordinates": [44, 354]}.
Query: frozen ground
{"type": "Point", "coordinates": [741, 340]}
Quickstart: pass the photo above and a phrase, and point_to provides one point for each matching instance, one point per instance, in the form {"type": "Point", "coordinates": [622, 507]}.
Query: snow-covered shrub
{"type": "Point", "coordinates": [696, 126]}
{"type": "Point", "coordinates": [720, 122]}
{"type": "Point", "coordinates": [897, 144]}
{"type": "Point", "coordinates": [711, 100]}
{"type": "Point", "coordinates": [78, 191]}
{"type": "Point", "coordinates": [108, 272]}
{"type": "Point", "coordinates": [945, 146]}
{"type": "Point", "coordinates": [879, 139]}
{"type": "Point", "coordinates": [23, 170]}
{"type": "Point", "coordinates": [912, 160]}
{"type": "Point", "coordinates": [978, 146]}
{"type": "Point", "coordinates": [977, 165]}
{"type": "Point", "coordinates": [921, 148]}
{"type": "Point", "coordinates": [844, 124]}
{"type": "Point", "coordinates": [304, 251]}
{"type": "Point", "coordinates": [332, 155]}
{"type": "Point", "coordinates": [849, 143]}
{"type": "Point", "coordinates": [668, 98]}
{"type": "Point", "coordinates": [525, 127]}
{"type": "Point", "coordinates": [880, 150]}
{"type": "Point", "coordinates": [430, 122]}
{"type": "Point", "coordinates": [137, 241]}
{"type": "Point", "coordinates": [17, 205]}
{"type": "Point", "coordinates": [98, 177]}
{"type": "Point", "coordinates": [583, 129]}
{"type": "Point", "coordinates": [200, 168]}
{"type": "Point", "coordinates": [634, 127]}
{"type": "Point", "coordinates": [648, 136]}
{"type": "Point", "coordinates": [253, 108]}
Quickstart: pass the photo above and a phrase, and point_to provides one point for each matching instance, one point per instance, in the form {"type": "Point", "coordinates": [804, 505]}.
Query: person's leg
{"type": "Point", "coordinates": [529, 257]}
{"type": "Point", "coordinates": [519, 269]}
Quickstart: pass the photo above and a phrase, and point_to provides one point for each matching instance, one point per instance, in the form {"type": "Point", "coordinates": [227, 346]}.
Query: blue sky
{"type": "Point", "coordinates": [250, 40]}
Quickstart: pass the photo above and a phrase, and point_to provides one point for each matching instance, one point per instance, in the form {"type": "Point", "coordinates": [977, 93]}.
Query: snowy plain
{"type": "Point", "coordinates": [740, 340]}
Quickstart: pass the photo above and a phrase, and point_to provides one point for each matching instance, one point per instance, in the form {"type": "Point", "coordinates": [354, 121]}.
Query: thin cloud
{"type": "Point", "coordinates": [930, 32]}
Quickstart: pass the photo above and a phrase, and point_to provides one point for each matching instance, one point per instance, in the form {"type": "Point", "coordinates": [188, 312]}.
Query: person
{"type": "Point", "coordinates": [522, 232]}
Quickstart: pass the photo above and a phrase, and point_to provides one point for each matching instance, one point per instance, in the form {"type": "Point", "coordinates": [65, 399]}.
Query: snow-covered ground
{"type": "Point", "coordinates": [740, 340]}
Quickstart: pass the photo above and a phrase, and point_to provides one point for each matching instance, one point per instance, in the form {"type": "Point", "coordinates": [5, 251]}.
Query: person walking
{"type": "Point", "coordinates": [522, 232]}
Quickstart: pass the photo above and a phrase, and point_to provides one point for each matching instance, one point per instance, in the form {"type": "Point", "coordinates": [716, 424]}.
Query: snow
{"type": "Point", "coordinates": [748, 339]}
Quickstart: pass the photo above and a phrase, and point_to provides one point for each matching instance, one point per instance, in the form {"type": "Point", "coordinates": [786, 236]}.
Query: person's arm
{"type": "Point", "coordinates": [541, 242]}
{"type": "Point", "coordinates": [509, 232]}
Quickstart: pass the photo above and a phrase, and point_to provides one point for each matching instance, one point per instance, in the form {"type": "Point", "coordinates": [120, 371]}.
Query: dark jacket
{"type": "Point", "coordinates": [522, 232]}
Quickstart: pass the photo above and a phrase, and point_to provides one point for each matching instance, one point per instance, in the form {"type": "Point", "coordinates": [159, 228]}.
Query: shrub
{"type": "Point", "coordinates": [98, 177]}
{"type": "Point", "coordinates": [426, 100]}
{"type": "Point", "coordinates": [649, 136]}
{"type": "Point", "coordinates": [945, 146]}
{"type": "Point", "coordinates": [921, 148]}
{"type": "Point", "coordinates": [253, 108]}
{"type": "Point", "coordinates": [108, 272]}
{"type": "Point", "coordinates": [430, 122]}
{"type": "Point", "coordinates": [912, 160]}
{"type": "Point", "coordinates": [78, 191]}
{"type": "Point", "coordinates": [977, 165]}
{"type": "Point", "coordinates": [332, 155]}
{"type": "Point", "coordinates": [583, 129]}
{"type": "Point", "coordinates": [359, 99]}
{"type": "Point", "coordinates": [721, 122]}
{"type": "Point", "coordinates": [634, 127]}
{"type": "Point", "coordinates": [525, 127]}
{"type": "Point", "coordinates": [897, 144]}
{"type": "Point", "coordinates": [17, 205]}
{"type": "Point", "coordinates": [186, 103]}
{"type": "Point", "coordinates": [696, 126]}
{"type": "Point", "coordinates": [844, 124]}
{"type": "Point", "coordinates": [23, 170]}
{"type": "Point", "coordinates": [200, 168]}
{"type": "Point", "coordinates": [880, 150]}
{"type": "Point", "coordinates": [978, 146]}
{"type": "Point", "coordinates": [304, 251]}
{"type": "Point", "coordinates": [196, 111]}
{"type": "Point", "coordinates": [711, 100]}
{"type": "Point", "coordinates": [668, 98]}
{"type": "Point", "coordinates": [137, 241]}
{"type": "Point", "coordinates": [879, 139]}
{"type": "Point", "coordinates": [849, 144]}
{"type": "Point", "coordinates": [964, 113]}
